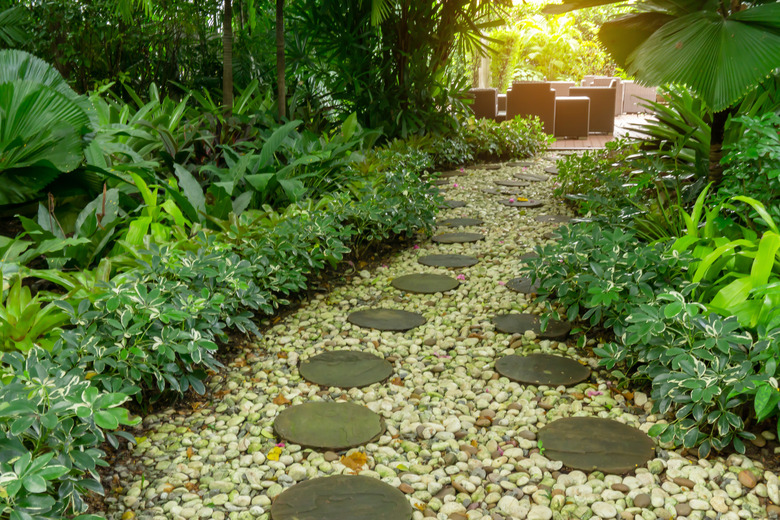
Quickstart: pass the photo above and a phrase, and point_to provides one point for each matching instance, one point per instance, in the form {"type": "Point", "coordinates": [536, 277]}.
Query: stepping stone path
{"type": "Point", "coordinates": [530, 177]}
{"type": "Point", "coordinates": [596, 444]}
{"type": "Point", "coordinates": [519, 323]}
{"type": "Point", "coordinates": [458, 238]}
{"type": "Point", "coordinates": [523, 285]}
{"type": "Point", "coordinates": [518, 164]}
{"type": "Point", "coordinates": [386, 319]}
{"type": "Point", "coordinates": [345, 369]}
{"type": "Point", "coordinates": [440, 182]}
{"type": "Point", "coordinates": [425, 283]}
{"type": "Point", "coordinates": [489, 167]}
{"type": "Point", "coordinates": [521, 203]}
{"type": "Point", "coordinates": [451, 204]}
{"type": "Point", "coordinates": [453, 173]}
{"type": "Point", "coordinates": [552, 170]}
{"type": "Point", "coordinates": [342, 497]}
{"type": "Point", "coordinates": [542, 369]}
{"type": "Point", "coordinates": [328, 425]}
{"type": "Point", "coordinates": [460, 222]}
{"type": "Point", "coordinates": [448, 260]}
{"type": "Point", "coordinates": [454, 427]}
{"type": "Point", "coordinates": [561, 219]}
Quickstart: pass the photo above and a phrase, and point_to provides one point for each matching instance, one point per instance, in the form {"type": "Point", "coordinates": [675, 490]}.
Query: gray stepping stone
{"type": "Point", "coordinates": [542, 369]}
{"type": "Point", "coordinates": [484, 167]}
{"type": "Point", "coordinates": [328, 425]}
{"type": "Point", "coordinates": [452, 204]}
{"type": "Point", "coordinates": [519, 323]}
{"type": "Point", "coordinates": [523, 285]}
{"type": "Point", "coordinates": [425, 283]}
{"type": "Point", "coordinates": [596, 444]}
{"type": "Point", "coordinates": [341, 497]}
{"type": "Point", "coordinates": [520, 164]}
{"type": "Point", "coordinates": [522, 203]}
{"type": "Point", "coordinates": [458, 222]}
{"type": "Point", "coordinates": [513, 192]}
{"type": "Point", "coordinates": [440, 182]}
{"type": "Point", "coordinates": [552, 170]}
{"type": "Point", "coordinates": [531, 177]}
{"type": "Point", "coordinates": [453, 173]}
{"type": "Point", "coordinates": [448, 260]}
{"type": "Point", "coordinates": [561, 219]}
{"type": "Point", "coordinates": [345, 369]}
{"type": "Point", "coordinates": [529, 256]}
{"type": "Point", "coordinates": [511, 183]}
{"type": "Point", "coordinates": [386, 319]}
{"type": "Point", "coordinates": [458, 238]}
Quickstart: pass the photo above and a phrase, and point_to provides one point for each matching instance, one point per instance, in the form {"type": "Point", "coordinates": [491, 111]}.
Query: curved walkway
{"type": "Point", "coordinates": [460, 441]}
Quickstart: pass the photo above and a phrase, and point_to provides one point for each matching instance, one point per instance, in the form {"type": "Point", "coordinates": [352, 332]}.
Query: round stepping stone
{"type": "Point", "coordinates": [458, 238]}
{"type": "Point", "coordinates": [484, 167]}
{"type": "Point", "coordinates": [523, 285]}
{"type": "Point", "coordinates": [452, 173]}
{"type": "Point", "coordinates": [341, 497]}
{"type": "Point", "coordinates": [511, 183]}
{"type": "Point", "coordinates": [551, 236]}
{"type": "Point", "coordinates": [531, 177]}
{"type": "Point", "coordinates": [448, 260]}
{"type": "Point", "coordinates": [493, 191]}
{"type": "Point", "coordinates": [386, 319]}
{"type": "Point", "coordinates": [593, 443]}
{"type": "Point", "coordinates": [529, 256]}
{"type": "Point", "coordinates": [519, 323]}
{"type": "Point", "coordinates": [561, 219]}
{"type": "Point", "coordinates": [552, 170]}
{"type": "Point", "coordinates": [345, 369]}
{"type": "Point", "coordinates": [440, 182]}
{"type": "Point", "coordinates": [458, 222]}
{"type": "Point", "coordinates": [328, 425]}
{"type": "Point", "coordinates": [425, 283]}
{"type": "Point", "coordinates": [522, 203]}
{"type": "Point", "coordinates": [542, 369]}
{"type": "Point", "coordinates": [452, 204]}
{"type": "Point", "coordinates": [520, 164]}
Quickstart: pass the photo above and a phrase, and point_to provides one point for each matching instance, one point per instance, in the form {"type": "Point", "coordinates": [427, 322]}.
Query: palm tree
{"type": "Point", "coordinates": [720, 50]}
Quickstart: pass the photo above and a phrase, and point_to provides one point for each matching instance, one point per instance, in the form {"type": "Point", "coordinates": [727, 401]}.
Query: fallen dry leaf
{"type": "Point", "coordinates": [190, 453]}
{"type": "Point", "coordinates": [355, 461]}
{"type": "Point", "coordinates": [397, 381]}
{"type": "Point", "coordinates": [280, 400]}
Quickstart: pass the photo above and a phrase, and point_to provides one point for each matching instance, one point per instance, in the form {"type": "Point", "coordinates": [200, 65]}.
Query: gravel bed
{"type": "Point", "coordinates": [460, 441]}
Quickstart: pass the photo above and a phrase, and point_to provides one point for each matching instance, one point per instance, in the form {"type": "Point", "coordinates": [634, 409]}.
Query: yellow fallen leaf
{"type": "Point", "coordinates": [274, 454]}
{"type": "Point", "coordinates": [355, 461]}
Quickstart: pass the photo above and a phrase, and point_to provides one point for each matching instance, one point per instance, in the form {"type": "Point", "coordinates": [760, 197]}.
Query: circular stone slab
{"type": "Point", "coordinates": [440, 182]}
{"type": "Point", "coordinates": [448, 260]}
{"type": "Point", "coordinates": [510, 182]}
{"type": "Point", "coordinates": [520, 164]}
{"type": "Point", "coordinates": [452, 204]}
{"type": "Point", "coordinates": [386, 319]}
{"type": "Point", "coordinates": [552, 170]}
{"type": "Point", "coordinates": [458, 222]}
{"type": "Point", "coordinates": [425, 283]}
{"type": "Point", "coordinates": [345, 369]}
{"type": "Point", "coordinates": [531, 177]}
{"type": "Point", "coordinates": [561, 219]}
{"type": "Point", "coordinates": [452, 173]}
{"type": "Point", "coordinates": [523, 285]}
{"type": "Point", "coordinates": [542, 369]}
{"type": "Point", "coordinates": [519, 323]}
{"type": "Point", "coordinates": [484, 167]}
{"type": "Point", "coordinates": [529, 256]}
{"type": "Point", "coordinates": [593, 443]}
{"type": "Point", "coordinates": [341, 497]}
{"type": "Point", "coordinates": [522, 204]}
{"type": "Point", "coordinates": [458, 238]}
{"type": "Point", "coordinates": [328, 425]}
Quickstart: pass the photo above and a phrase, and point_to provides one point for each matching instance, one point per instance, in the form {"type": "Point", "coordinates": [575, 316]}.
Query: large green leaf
{"type": "Point", "coordinates": [720, 59]}
{"type": "Point", "coordinates": [624, 34]}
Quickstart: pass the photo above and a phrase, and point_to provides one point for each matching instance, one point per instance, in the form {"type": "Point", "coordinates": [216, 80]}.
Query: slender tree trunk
{"type": "Point", "coordinates": [227, 58]}
{"type": "Point", "coordinates": [717, 130]}
{"type": "Point", "coordinates": [280, 86]}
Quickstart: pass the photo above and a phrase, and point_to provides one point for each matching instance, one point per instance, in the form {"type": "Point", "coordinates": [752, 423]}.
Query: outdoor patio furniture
{"type": "Point", "coordinates": [572, 116]}
{"type": "Point", "coordinates": [485, 102]}
{"type": "Point", "coordinates": [502, 102]}
{"type": "Point", "coordinates": [634, 95]}
{"type": "Point", "coordinates": [561, 88]}
{"type": "Point", "coordinates": [532, 99]}
{"type": "Point", "coordinates": [607, 81]}
{"type": "Point", "coordinates": [602, 107]}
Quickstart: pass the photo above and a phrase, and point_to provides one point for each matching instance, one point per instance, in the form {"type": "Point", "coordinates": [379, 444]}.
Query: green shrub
{"type": "Point", "coordinates": [51, 430]}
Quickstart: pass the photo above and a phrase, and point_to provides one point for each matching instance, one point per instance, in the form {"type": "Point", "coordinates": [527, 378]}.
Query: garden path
{"type": "Point", "coordinates": [456, 438]}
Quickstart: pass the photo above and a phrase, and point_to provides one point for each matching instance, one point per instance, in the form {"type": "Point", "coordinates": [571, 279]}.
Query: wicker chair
{"type": "Point", "coordinates": [485, 102]}
{"type": "Point", "coordinates": [532, 99]}
{"type": "Point", "coordinates": [602, 107]}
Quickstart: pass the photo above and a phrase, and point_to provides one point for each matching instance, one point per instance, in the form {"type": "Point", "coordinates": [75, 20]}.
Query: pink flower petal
{"type": "Point", "coordinates": [461, 277]}
{"type": "Point", "coordinates": [501, 283]}
{"type": "Point", "coordinates": [416, 246]}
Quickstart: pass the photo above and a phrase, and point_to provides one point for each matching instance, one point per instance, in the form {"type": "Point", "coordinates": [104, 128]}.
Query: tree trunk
{"type": "Point", "coordinates": [280, 87]}
{"type": "Point", "coordinates": [717, 130]}
{"type": "Point", "coordinates": [227, 59]}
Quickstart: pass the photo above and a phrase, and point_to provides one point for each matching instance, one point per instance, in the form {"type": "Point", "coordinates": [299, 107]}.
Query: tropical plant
{"type": "Point", "coordinates": [697, 44]}
{"type": "Point", "coordinates": [27, 321]}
